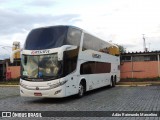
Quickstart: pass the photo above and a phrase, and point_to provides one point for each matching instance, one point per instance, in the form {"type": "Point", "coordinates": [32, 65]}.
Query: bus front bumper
{"type": "Point", "coordinates": [58, 92]}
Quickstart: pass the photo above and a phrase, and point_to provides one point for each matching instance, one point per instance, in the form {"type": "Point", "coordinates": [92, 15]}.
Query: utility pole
{"type": "Point", "coordinates": [144, 43]}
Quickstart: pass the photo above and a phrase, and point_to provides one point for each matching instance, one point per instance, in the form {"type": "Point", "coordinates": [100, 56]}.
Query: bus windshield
{"type": "Point", "coordinates": [52, 37]}
{"type": "Point", "coordinates": [43, 67]}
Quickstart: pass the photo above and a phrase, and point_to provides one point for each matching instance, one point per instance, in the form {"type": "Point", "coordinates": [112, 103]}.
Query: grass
{"type": "Point", "coordinates": [140, 79]}
{"type": "Point", "coordinates": [10, 82]}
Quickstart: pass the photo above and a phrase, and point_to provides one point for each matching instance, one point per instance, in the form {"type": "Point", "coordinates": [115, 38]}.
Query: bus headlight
{"type": "Point", "coordinates": [22, 85]}
{"type": "Point", "coordinates": [58, 91]}
{"type": "Point", "coordinates": [58, 84]}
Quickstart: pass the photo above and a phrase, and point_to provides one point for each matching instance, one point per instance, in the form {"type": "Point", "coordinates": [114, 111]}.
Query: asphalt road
{"type": "Point", "coordinates": [105, 99]}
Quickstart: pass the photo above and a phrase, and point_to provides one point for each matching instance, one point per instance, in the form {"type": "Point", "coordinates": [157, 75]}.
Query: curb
{"type": "Point", "coordinates": [134, 85]}
{"type": "Point", "coordinates": [149, 82]}
{"type": "Point", "coordinates": [9, 85]}
{"type": "Point", "coordinates": [120, 84]}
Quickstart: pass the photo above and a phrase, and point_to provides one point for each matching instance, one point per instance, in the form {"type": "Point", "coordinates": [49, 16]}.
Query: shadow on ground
{"type": "Point", "coordinates": [68, 99]}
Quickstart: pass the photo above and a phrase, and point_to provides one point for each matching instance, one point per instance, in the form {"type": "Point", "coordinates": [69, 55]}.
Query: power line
{"type": "Point", "coordinates": [6, 46]}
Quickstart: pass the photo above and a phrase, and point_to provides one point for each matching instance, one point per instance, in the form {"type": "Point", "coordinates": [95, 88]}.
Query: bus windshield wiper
{"type": "Point", "coordinates": [49, 77]}
{"type": "Point", "coordinates": [24, 77]}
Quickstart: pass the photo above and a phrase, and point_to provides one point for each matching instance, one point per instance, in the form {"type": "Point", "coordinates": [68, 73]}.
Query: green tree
{"type": "Point", "coordinates": [122, 49]}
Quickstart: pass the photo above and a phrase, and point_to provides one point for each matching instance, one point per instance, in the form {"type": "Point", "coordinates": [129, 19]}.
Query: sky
{"type": "Point", "coordinates": [121, 22]}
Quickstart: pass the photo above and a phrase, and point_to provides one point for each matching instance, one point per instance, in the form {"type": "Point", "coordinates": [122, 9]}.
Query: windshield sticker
{"type": "Point", "coordinates": [25, 73]}
{"type": "Point", "coordinates": [35, 52]}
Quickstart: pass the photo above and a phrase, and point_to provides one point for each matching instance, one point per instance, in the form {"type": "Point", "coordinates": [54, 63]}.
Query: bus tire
{"type": "Point", "coordinates": [81, 90]}
{"type": "Point", "coordinates": [112, 82]}
{"type": "Point", "coordinates": [115, 80]}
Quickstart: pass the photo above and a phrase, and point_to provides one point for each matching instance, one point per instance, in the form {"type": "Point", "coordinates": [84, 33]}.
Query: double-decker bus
{"type": "Point", "coordinates": [60, 61]}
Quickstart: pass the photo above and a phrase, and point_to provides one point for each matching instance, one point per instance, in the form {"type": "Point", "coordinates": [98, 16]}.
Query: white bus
{"type": "Point", "coordinates": [60, 61]}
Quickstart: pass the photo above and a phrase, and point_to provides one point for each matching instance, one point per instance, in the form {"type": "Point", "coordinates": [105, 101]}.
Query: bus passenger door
{"type": "Point", "coordinates": [72, 84]}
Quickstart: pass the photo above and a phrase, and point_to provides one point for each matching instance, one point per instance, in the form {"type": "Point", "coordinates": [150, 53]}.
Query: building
{"type": "Point", "coordinates": [2, 70]}
{"type": "Point", "coordinates": [133, 65]}
{"type": "Point", "coordinates": [9, 70]}
{"type": "Point", "coordinates": [13, 69]}
{"type": "Point", "coordinates": [140, 65]}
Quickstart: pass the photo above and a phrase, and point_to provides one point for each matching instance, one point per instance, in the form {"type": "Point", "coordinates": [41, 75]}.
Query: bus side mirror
{"type": "Point", "coordinates": [12, 55]}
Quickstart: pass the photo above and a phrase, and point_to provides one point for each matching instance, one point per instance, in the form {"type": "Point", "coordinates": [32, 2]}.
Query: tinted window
{"type": "Point", "coordinates": [88, 68]}
{"type": "Point", "coordinates": [70, 61]}
{"type": "Point", "coordinates": [74, 37]}
{"type": "Point", "coordinates": [95, 67]}
{"type": "Point", "coordinates": [102, 67]}
{"type": "Point", "coordinates": [52, 37]}
{"type": "Point", "coordinates": [94, 43]}
{"type": "Point", "coordinates": [90, 42]}
{"type": "Point", "coordinates": [46, 38]}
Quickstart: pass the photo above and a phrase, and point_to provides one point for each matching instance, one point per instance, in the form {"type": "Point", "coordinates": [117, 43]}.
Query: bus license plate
{"type": "Point", "coordinates": [37, 94]}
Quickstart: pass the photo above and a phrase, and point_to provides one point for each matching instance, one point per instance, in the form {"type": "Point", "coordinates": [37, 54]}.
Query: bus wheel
{"type": "Point", "coordinates": [115, 80]}
{"type": "Point", "coordinates": [81, 90]}
{"type": "Point", "coordinates": [112, 83]}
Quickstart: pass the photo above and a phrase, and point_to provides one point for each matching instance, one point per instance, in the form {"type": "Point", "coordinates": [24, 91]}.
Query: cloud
{"type": "Point", "coordinates": [122, 22]}
{"type": "Point", "coordinates": [16, 30]}
{"type": "Point", "coordinates": [13, 22]}
{"type": "Point", "coordinates": [41, 3]}
{"type": "Point", "coordinates": [4, 1]}
{"type": "Point", "coordinates": [15, 26]}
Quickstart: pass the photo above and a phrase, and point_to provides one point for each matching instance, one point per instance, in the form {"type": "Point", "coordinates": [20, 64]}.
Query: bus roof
{"type": "Point", "coordinates": [52, 36]}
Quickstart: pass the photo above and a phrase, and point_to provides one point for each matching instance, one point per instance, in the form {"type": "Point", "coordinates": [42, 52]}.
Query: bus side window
{"type": "Point", "coordinates": [70, 61]}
